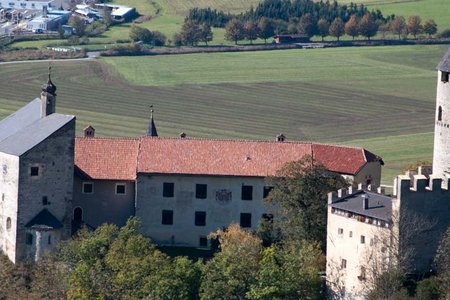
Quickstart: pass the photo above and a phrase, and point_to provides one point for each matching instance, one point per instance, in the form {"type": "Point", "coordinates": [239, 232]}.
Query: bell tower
{"type": "Point", "coordinates": [48, 96]}
{"type": "Point", "coordinates": [441, 154]}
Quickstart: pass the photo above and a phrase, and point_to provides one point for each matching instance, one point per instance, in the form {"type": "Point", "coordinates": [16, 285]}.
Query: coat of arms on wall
{"type": "Point", "coordinates": [223, 196]}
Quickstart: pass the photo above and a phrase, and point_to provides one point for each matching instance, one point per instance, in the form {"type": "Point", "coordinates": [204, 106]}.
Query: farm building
{"type": "Point", "coordinates": [49, 21]}
{"type": "Point", "coordinates": [291, 38]}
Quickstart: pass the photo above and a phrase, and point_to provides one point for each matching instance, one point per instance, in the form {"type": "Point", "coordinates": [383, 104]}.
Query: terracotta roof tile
{"type": "Point", "coordinates": [123, 158]}
{"type": "Point", "coordinates": [102, 158]}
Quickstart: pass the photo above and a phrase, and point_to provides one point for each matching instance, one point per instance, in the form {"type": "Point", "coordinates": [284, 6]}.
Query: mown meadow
{"type": "Point", "coordinates": [381, 98]}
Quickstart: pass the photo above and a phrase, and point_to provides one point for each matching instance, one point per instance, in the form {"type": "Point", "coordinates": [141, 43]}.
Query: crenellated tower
{"type": "Point", "coordinates": [441, 154]}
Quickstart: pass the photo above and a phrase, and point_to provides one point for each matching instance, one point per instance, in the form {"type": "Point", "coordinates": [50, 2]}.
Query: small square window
{"type": "Point", "coordinates": [363, 239]}
{"type": "Point", "coordinates": [45, 200]}
{"type": "Point", "coordinates": [34, 171]}
{"type": "Point", "coordinates": [88, 188]}
{"type": "Point", "coordinates": [201, 191]}
{"type": "Point", "coordinates": [246, 220]}
{"type": "Point", "coordinates": [167, 217]}
{"type": "Point", "coordinates": [120, 189]}
{"type": "Point", "coordinates": [247, 192]}
{"type": "Point", "coordinates": [200, 218]}
{"type": "Point", "coordinates": [343, 264]}
{"type": "Point", "coordinates": [203, 242]}
{"type": "Point", "coordinates": [29, 239]}
{"type": "Point", "coordinates": [168, 188]}
{"type": "Point", "coordinates": [267, 190]}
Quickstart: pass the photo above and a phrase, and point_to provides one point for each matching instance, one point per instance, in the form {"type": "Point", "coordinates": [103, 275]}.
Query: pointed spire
{"type": "Point", "coordinates": [49, 87]}
{"type": "Point", "coordinates": [151, 131]}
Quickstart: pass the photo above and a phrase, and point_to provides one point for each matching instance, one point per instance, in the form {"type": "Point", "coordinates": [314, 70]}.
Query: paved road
{"type": "Point", "coordinates": [90, 56]}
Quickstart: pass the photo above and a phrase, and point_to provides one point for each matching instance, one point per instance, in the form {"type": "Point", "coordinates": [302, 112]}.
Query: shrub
{"type": "Point", "coordinates": [445, 33]}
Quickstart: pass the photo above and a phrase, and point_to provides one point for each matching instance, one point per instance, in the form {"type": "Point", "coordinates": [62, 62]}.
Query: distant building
{"type": "Point", "coordinates": [291, 38]}
{"type": "Point", "coordinates": [119, 12]}
{"type": "Point", "coordinates": [26, 4]}
{"type": "Point", "coordinates": [49, 21]}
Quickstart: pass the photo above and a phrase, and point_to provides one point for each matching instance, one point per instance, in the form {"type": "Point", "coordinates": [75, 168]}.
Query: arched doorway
{"type": "Point", "coordinates": [78, 214]}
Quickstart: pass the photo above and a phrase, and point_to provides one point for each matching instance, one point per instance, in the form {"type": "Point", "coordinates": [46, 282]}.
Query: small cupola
{"type": "Point", "coordinates": [183, 135]}
{"type": "Point", "coordinates": [280, 137]}
{"type": "Point", "coordinates": [48, 96]}
{"type": "Point", "coordinates": [151, 131]}
{"type": "Point", "coordinates": [89, 132]}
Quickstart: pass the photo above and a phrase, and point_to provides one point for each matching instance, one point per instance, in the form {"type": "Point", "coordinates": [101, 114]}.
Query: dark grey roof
{"type": "Point", "coordinates": [444, 65]}
{"type": "Point", "coordinates": [23, 117]}
{"type": "Point", "coordinates": [380, 206]}
{"type": "Point", "coordinates": [44, 220]}
{"type": "Point", "coordinates": [151, 131]}
{"type": "Point", "coordinates": [29, 136]}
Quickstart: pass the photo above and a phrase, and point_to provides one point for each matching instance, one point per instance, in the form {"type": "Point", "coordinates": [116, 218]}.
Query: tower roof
{"type": "Point", "coordinates": [444, 65]}
{"type": "Point", "coordinates": [151, 131]}
{"type": "Point", "coordinates": [49, 87]}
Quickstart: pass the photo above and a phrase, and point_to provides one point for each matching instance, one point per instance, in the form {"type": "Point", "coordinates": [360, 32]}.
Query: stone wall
{"type": "Point", "coordinates": [441, 154]}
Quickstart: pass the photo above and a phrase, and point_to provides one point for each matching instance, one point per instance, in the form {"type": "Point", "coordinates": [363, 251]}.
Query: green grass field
{"type": "Point", "coordinates": [382, 98]}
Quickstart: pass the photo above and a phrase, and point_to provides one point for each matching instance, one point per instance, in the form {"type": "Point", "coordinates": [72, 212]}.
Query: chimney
{"type": "Point", "coordinates": [89, 132]}
{"type": "Point", "coordinates": [365, 198]}
{"type": "Point", "coordinates": [280, 137]}
{"type": "Point", "coordinates": [182, 135]}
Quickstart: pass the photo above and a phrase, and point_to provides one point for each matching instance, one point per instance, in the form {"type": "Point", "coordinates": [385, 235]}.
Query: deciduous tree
{"type": "Point", "coordinates": [414, 25]}
{"type": "Point", "coordinates": [190, 33]}
{"type": "Point", "coordinates": [337, 28]}
{"type": "Point", "coordinates": [367, 26]}
{"type": "Point", "coordinates": [251, 31]}
{"type": "Point", "coordinates": [322, 27]}
{"type": "Point", "coordinates": [206, 34]}
{"type": "Point", "coordinates": [300, 190]}
{"type": "Point", "coordinates": [429, 27]}
{"type": "Point", "coordinates": [307, 25]}
{"type": "Point", "coordinates": [265, 28]}
{"type": "Point", "coordinates": [352, 27]}
{"type": "Point", "coordinates": [78, 24]}
{"type": "Point", "coordinates": [234, 31]}
{"type": "Point", "coordinates": [398, 26]}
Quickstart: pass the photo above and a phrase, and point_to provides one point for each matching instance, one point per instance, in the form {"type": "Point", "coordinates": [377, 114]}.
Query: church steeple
{"type": "Point", "coordinates": [151, 131]}
{"type": "Point", "coordinates": [48, 96]}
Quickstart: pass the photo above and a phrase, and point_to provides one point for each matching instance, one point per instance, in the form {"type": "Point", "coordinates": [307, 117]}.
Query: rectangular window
{"type": "Point", "coordinates": [203, 242]}
{"type": "Point", "coordinates": [200, 218]}
{"type": "Point", "coordinates": [246, 220]}
{"type": "Point", "coordinates": [120, 189]}
{"type": "Point", "coordinates": [340, 231]}
{"type": "Point", "coordinates": [167, 217]}
{"type": "Point", "coordinates": [350, 234]}
{"type": "Point", "coordinates": [247, 192]}
{"type": "Point", "coordinates": [168, 188]}
{"type": "Point", "coordinates": [343, 264]}
{"type": "Point", "coordinates": [34, 171]}
{"type": "Point", "coordinates": [363, 239]}
{"type": "Point", "coordinates": [362, 273]}
{"type": "Point", "coordinates": [444, 76]}
{"type": "Point", "coordinates": [267, 190]}
{"type": "Point", "coordinates": [201, 191]}
{"type": "Point", "coordinates": [45, 200]}
{"type": "Point", "coordinates": [88, 188]}
{"type": "Point", "coordinates": [29, 239]}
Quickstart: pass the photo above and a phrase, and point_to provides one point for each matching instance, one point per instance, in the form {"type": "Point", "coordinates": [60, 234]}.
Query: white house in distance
{"type": "Point", "coordinates": [26, 4]}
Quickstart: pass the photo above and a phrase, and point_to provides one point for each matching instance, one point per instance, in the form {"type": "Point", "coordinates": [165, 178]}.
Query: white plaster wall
{"type": "Point", "coordinates": [441, 154]}
{"type": "Point", "coordinates": [342, 246]}
{"type": "Point", "coordinates": [183, 232]}
{"type": "Point", "coordinates": [9, 182]}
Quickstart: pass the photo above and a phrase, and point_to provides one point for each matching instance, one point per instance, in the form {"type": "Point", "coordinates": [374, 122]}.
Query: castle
{"type": "Point", "coordinates": [368, 231]}
{"type": "Point", "coordinates": [180, 188]}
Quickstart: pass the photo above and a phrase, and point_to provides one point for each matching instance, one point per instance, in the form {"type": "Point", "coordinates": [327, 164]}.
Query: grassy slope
{"type": "Point", "coordinates": [381, 98]}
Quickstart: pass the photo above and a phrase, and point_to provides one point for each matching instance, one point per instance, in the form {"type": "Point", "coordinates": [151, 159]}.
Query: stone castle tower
{"type": "Point", "coordinates": [441, 155]}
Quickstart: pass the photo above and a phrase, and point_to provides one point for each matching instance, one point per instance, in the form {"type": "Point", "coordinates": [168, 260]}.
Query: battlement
{"type": "Point", "coordinates": [405, 184]}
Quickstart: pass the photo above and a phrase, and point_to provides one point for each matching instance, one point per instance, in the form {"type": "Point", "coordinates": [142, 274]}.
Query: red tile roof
{"type": "Point", "coordinates": [102, 158]}
{"type": "Point", "coordinates": [121, 159]}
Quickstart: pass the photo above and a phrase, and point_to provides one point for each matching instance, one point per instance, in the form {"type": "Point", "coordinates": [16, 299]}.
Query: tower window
{"type": "Point", "coordinates": [440, 113]}
{"type": "Point", "coordinates": [203, 242]}
{"type": "Point", "coordinates": [88, 188]}
{"type": "Point", "coordinates": [78, 214]}
{"type": "Point", "coordinates": [444, 76]}
{"type": "Point", "coordinates": [120, 189]}
{"type": "Point", "coordinates": [45, 200]}
{"type": "Point", "coordinates": [34, 171]}
{"type": "Point", "coordinates": [200, 218]}
{"type": "Point", "coordinates": [29, 239]}
{"type": "Point", "coordinates": [8, 223]}
{"type": "Point", "coordinates": [49, 240]}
